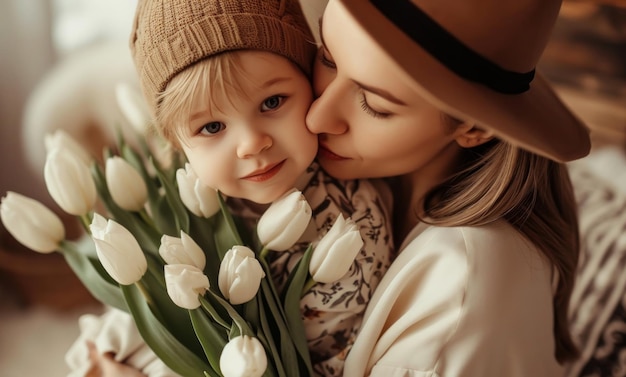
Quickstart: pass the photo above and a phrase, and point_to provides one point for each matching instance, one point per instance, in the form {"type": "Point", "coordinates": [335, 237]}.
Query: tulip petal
{"type": "Point", "coordinates": [339, 259]}
{"type": "Point", "coordinates": [240, 275]}
{"type": "Point", "coordinates": [110, 258]}
{"type": "Point", "coordinates": [126, 185]}
{"type": "Point", "coordinates": [336, 251]}
{"type": "Point", "coordinates": [200, 199]}
{"type": "Point", "coordinates": [133, 106]}
{"type": "Point", "coordinates": [31, 223]}
{"type": "Point", "coordinates": [183, 250]}
{"type": "Point", "coordinates": [184, 283]}
{"type": "Point", "coordinates": [69, 182]}
{"type": "Point", "coordinates": [284, 222]}
{"type": "Point", "coordinates": [243, 356]}
{"type": "Point", "coordinates": [118, 251]}
{"type": "Point", "coordinates": [60, 139]}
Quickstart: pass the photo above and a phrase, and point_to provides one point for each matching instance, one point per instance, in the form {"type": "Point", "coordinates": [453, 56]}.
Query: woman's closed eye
{"type": "Point", "coordinates": [212, 128]}
{"type": "Point", "coordinates": [370, 111]}
{"type": "Point", "coordinates": [272, 103]}
{"type": "Point", "coordinates": [325, 60]}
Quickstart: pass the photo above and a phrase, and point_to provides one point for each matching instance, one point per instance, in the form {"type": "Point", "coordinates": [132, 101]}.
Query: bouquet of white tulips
{"type": "Point", "coordinates": [168, 251]}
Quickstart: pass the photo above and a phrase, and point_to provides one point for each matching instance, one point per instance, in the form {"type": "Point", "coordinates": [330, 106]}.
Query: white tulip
{"type": "Point", "coordinates": [243, 356]}
{"type": "Point", "coordinates": [183, 250]}
{"type": "Point", "coordinates": [240, 275]}
{"type": "Point", "coordinates": [60, 139]}
{"type": "Point", "coordinates": [184, 283]}
{"type": "Point", "coordinates": [133, 106]}
{"type": "Point", "coordinates": [200, 199]}
{"type": "Point", "coordinates": [284, 222]}
{"type": "Point", "coordinates": [31, 223]}
{"type": "Point", "coordinates": [336, 251]}
{"type": "Point", "coordinates": [69, 182]}
{"type": "Point", "coordinates": [118, 251]}
{"type": "Point", "coordinates": [125, 184]}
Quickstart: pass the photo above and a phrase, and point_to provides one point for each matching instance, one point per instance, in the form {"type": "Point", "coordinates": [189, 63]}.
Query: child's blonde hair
{"type": "Point", "coordinates": [210, 81]}
{"type": "Point", "coordinates": [168, 37]}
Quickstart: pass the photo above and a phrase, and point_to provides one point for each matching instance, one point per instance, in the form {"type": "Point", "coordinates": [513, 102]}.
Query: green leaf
{"type": "Point", "coordinates": [242, 325]}
{"type": "Point", "coordinates": [291, 304]}
{"type": "Point", "coordinates": [267, 337]}
{"type": "Point", "coordinates": [223, 236]}
{"type": "Point", "coordinates": [288, 354]}
{"type": "Point", "coordinates": [146, 235]}
{"type": "Point", "coordinates": [175, 318]}
{"type": "Point", "coordinates": [93, 276]}
{"type": "Point", "coordinates": [172, 195]}
{"type": "Point", "coordinates": [202, 230]}
{"type": "Point", "coordinates": [138, 162]}
{"type": "Point", "coordinates": [212, 340]}
{"type": "Point", "coordinates": [214, 313]}
{"type": "Point", "coordinates": [172, 352]}
{"type": "Point", "coordinates": [162, 216]}
{"type": "Point", "coordinates": [230, 222]}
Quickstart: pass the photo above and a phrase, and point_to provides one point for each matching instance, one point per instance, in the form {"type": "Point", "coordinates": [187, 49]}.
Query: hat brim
{"type": "Point", "coordinates": [536, 120]}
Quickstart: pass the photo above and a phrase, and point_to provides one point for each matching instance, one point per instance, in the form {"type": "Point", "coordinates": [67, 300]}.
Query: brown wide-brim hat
{"type": "Point", "coordinates": [475, 60]}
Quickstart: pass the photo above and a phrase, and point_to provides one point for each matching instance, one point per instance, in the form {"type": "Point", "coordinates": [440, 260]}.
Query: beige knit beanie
{"type": "Point", "coordinates": [168, 36]}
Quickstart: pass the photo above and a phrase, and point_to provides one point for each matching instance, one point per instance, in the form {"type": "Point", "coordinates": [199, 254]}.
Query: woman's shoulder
{"type": "Point", "coordinates": [498, 238]}
{"type": "Point", "coordinates": [496, 250]}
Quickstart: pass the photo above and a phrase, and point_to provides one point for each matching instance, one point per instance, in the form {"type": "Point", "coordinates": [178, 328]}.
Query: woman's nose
{"type": "Point", "coordinates": [325, 115]}
{"type": "Point", "coordinates": [253, 142]}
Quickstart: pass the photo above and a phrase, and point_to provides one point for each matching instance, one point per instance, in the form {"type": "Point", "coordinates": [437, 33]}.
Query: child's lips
{"type": "Point", "coordinates": [265, 173]}
{"type": "Point", "coordinates": [324, 152]}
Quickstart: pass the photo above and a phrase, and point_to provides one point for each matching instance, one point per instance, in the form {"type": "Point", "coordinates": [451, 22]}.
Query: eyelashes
{"type": "Point", "coordinates": [363, 100]}
{"type": "Point", "coordinates": [325, 61]}
{"type": "Point", "coordinates": [369, 111]}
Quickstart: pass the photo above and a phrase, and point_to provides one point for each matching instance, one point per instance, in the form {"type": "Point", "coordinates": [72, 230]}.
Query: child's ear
{"type": "Point", "coordinates": [469, 135]}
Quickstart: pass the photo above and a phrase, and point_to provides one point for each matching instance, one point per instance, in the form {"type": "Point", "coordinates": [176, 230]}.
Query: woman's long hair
{"type": "Point", "coordinates": [535, 195]}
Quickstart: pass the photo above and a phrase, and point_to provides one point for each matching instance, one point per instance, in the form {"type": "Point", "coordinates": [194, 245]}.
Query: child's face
{"type": "Point", "coordinates": [254, 145]}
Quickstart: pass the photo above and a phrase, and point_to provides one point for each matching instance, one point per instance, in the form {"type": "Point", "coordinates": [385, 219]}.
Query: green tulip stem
{"type": "Point", "coordinates": [85, 221]}
{"type": "Point", "coordinates": [144, 292]}
{"type": "Point", "coordinates": [308, 285]}
{"type": "Point", "coordinates": [145, 217]}
{"type": "Point", "coordinates": [141, 285]}
{"type": "Point", "coordinates": [263, 253]}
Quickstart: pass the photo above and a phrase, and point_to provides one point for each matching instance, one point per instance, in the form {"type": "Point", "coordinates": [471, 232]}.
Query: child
{"type": "Point", "coordinates": [227, 81]}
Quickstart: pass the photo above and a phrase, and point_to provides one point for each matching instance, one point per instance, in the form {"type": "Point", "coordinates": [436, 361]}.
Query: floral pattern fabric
{"type": "Point", "coordinates": [332, 312]}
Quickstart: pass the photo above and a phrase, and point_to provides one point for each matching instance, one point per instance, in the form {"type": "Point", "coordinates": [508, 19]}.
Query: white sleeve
{"type": "Point", "coordinates": [114, 331]}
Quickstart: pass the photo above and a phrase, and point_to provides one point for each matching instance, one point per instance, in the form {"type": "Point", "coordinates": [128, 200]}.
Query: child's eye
{"type": "Point", "coordinates": [272, 103]}
{"type": "Point", "coordinates": [212, 128]}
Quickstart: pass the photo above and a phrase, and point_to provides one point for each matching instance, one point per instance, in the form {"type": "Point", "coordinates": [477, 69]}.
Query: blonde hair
{"type": "Point", "coordinates": [214, 81]}
{"type": "Point", "coordinates": [532, 193]}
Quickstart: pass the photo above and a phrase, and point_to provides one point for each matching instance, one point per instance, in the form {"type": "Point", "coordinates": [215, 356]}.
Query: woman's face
{"type": "Point", "coordinates": [370, 122]}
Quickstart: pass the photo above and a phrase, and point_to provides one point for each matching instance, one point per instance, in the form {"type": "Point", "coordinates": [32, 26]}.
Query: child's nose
{"type": "Point", "coordinates": [252, 143]}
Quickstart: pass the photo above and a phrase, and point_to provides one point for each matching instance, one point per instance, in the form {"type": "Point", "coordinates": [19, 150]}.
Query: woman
{"type": "Point", "coordinates": [441, 95]}
{"type": "Point", "coordinates": [485, 217]}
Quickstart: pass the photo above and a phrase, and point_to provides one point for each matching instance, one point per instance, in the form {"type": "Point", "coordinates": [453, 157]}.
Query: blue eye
{"type": "Point", "coordinates": [272, 103]}
{"type": "Point", "coordinates": [212, 128]}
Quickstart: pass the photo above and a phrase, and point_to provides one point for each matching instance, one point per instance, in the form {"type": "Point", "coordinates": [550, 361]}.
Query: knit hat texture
{"type": "Point", "coordinates": [168, 36]}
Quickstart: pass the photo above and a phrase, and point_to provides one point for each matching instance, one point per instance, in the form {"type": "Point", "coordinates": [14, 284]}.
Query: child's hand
{"type": "Point", "coordinates": [104, 365]}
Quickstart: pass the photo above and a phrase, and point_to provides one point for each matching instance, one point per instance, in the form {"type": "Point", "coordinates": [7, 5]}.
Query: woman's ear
{"type": "Point", "coordinates": [470, 136]}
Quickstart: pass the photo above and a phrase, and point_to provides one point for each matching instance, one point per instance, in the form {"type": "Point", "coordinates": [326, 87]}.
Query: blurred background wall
{"type": "Point", "coordinates": [26, 54]}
